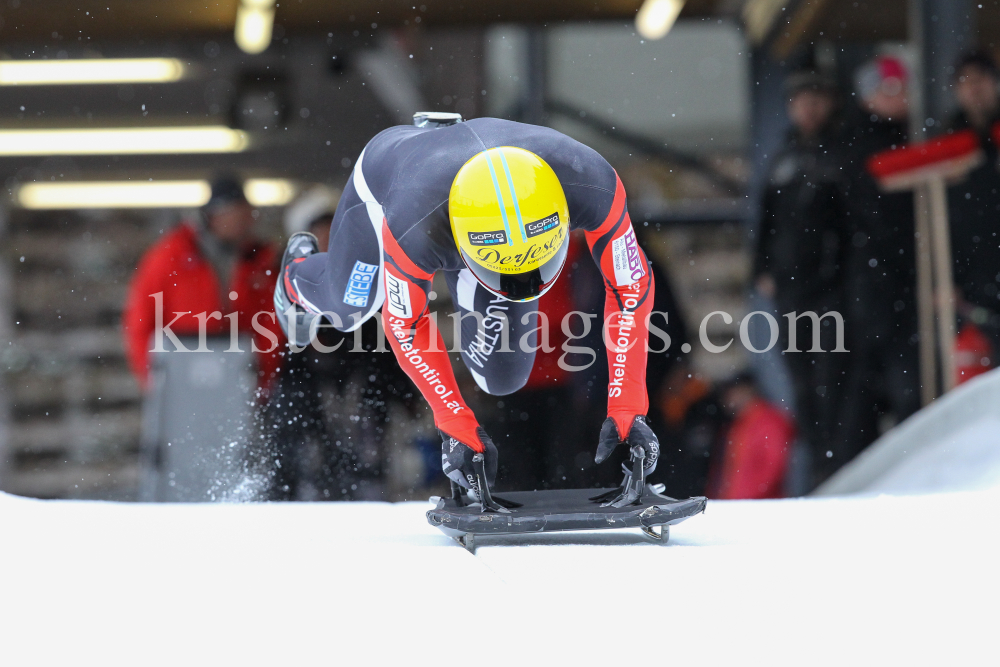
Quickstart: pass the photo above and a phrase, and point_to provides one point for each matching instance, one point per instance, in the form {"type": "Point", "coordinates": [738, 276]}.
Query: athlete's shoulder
{"type": "Point", "coordinates": [551, 145]}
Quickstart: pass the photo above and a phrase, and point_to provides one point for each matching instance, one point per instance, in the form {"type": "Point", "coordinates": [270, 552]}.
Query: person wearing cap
{"type": "Point", "coordinates": [974, 203]}
{"type": "Point", "coordinates": [800, 245]}
{"type": "Point", "coordinates": [881, 379]}
{"type": "Point", "coordinates": [212, 265]}
{"type": "Point", "coordinates": [489, 203]}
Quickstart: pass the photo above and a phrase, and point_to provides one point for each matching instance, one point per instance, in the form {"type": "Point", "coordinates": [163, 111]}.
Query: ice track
{"type": "Point", "coordinates": [872, 580]}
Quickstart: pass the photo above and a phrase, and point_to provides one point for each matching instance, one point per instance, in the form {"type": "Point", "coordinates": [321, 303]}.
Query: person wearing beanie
{"type": "Point", "coordinates": [973, 204]}
{"type": "Point", "coordinates": [800, 242]}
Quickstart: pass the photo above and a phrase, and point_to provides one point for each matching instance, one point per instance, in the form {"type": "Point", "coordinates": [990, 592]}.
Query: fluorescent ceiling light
{"type": "Point", "coordinates": [254, 23]}
{"type": "Point", "coordinates": [121, 141]}
{"type": "Point", "coordinates": [144, 194]}
{"type": "Point", "coordinates": [657, 17]}
{"type": "Point", "coordinates": [111, 194]}
{"type": "Point", "coordinates": [269, 191]}
{"type": "Point", "coordinates": [94, 70]}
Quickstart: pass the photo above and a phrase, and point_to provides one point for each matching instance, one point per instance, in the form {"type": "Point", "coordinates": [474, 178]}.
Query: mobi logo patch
{"type": "Point", "coordinates": [625, 252]}
{"type": "Point", "coordinates": [397, 296]}
{"type": "Point", "coordinates": [359, 285]}
{"type": "Point", "coordinates": [488, 238]}
{"type": "Point", "coordinates": [541, 226]}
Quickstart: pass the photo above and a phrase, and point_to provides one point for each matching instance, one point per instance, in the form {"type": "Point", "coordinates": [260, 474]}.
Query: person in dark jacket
{"type": "Point", "coordinates": [882, 375]}
{"type": "Point", "coordinates": [974, 203]}
{"type": "Point", "coordinates": [799, 248]}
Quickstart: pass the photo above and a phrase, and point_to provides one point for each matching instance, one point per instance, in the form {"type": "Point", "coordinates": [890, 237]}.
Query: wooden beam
{"type": "Point", "coordinates": [799, 28]}
{"type": "Point", "coordinates": [760, 17]}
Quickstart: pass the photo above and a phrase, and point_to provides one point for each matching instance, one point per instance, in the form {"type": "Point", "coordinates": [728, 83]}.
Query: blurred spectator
{"type": "Point", "coordinates": [694, 422]}
{"type": "Point", "coordinates": [312, 212]}
{"type": "Point", "coordinates": [973, 352]}
{"type": "Point", "coordinates": [974, 205]}
{"type": "Point", "coordinates": [882, 375]}
{"type": "Point", "coordinates": [756, 446]}
{"type": "Point", "coordinates": [798, 259]}
{"type": "Point", "coordinates": [326, 423]}
{"type": "Point", "coordinates": [976, 90]}
{"type": "Point", "coordinates": [211, 265]}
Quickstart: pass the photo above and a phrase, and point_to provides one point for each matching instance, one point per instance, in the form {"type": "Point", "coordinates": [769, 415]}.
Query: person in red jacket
{"type": "Point", "coordinates": [206, 271]}
{"type": "Point", "coordinates": [756, 447]}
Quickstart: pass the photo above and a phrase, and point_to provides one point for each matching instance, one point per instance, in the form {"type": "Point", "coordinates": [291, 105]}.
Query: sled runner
{"type": "Point", "coordinates": [635, 504]}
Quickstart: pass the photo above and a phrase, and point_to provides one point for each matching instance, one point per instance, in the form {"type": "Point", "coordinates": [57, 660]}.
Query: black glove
{"type": "Point", "coordinates": [640, 435]}
{"type": "Point", "coordinates": [457, 460]}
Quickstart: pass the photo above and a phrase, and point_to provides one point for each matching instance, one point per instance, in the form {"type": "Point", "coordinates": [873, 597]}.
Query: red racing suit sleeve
{"type": "Point", "coordinates": [418, 345]}
{"type": "Point", "coordinates": [628, 302]}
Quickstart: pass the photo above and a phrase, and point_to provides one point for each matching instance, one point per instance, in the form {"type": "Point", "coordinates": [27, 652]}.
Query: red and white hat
{"type": "Point", "coordinates": [886, 74]}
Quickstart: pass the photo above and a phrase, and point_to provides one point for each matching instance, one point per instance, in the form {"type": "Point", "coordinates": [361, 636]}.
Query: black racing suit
{"type": "Point", "coordinates": [391, 234]}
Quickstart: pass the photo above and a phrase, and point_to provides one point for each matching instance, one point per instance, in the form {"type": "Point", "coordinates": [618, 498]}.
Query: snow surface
{"type": "Point", "coordinates": [864, 580]}
{"type": "Point", "coordinates": [951, 445]}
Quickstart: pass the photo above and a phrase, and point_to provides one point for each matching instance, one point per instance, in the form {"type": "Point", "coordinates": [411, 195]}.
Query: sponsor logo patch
{"type": "Point", "coordinates": [529, 258]}
{"type": "Point", "coordinates": [625, 252]}
{"type": "Point", "coordinates": [541, 226]}
{"type": "Point", "coordinates": [488, 238]}
{"type": "Point", "coordinates": [359, 285]}
{"type": "Point", "coordinates": [397, 296]}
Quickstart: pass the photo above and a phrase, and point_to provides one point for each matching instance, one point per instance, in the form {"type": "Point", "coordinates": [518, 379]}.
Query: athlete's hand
{"type": "Point", "coordinates": [640, 435]}
{"type": "Point", "coordinates": [458, 459]}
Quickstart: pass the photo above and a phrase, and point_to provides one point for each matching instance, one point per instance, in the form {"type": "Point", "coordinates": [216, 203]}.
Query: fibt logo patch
{"type": "Point", "coordinates": [359, 285]}
{"type": "Point", "coordinates": [397, 296]}
{"type": "Point", "coordinates": [625, 252]}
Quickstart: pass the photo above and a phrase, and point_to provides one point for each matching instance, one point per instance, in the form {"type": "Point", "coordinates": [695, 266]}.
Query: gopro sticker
{"type": "Point", "coordinates": [488, 238]}
{"type": "Point", "coordinates": [541, 226]}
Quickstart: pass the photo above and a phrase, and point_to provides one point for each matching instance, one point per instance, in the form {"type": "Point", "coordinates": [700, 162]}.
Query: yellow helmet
{"type": "Point", "coordinates": [510, 221]}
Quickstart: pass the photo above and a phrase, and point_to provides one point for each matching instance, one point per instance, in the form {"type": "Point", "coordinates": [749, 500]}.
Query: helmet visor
{"type": "Point", "coordinates": [526, 286]}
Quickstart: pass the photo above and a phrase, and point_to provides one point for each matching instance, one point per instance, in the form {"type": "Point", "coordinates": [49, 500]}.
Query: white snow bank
{"type": "Point", "coordinates": [966, 461]}
{"type": "Point", "coordinates": [877, 580]}
{"type": "Point", "coordinates": [951, 445]}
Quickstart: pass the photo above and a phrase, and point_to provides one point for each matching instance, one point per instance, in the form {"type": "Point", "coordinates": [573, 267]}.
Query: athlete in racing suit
{"type": "Point", "coordinates": [392, 233]}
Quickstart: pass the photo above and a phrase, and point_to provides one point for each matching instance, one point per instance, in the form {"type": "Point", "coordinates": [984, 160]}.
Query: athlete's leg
{"type": "Point", "coordinates": [497, 372]}
{"type": "Point", "coordinates": [346, 279]}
